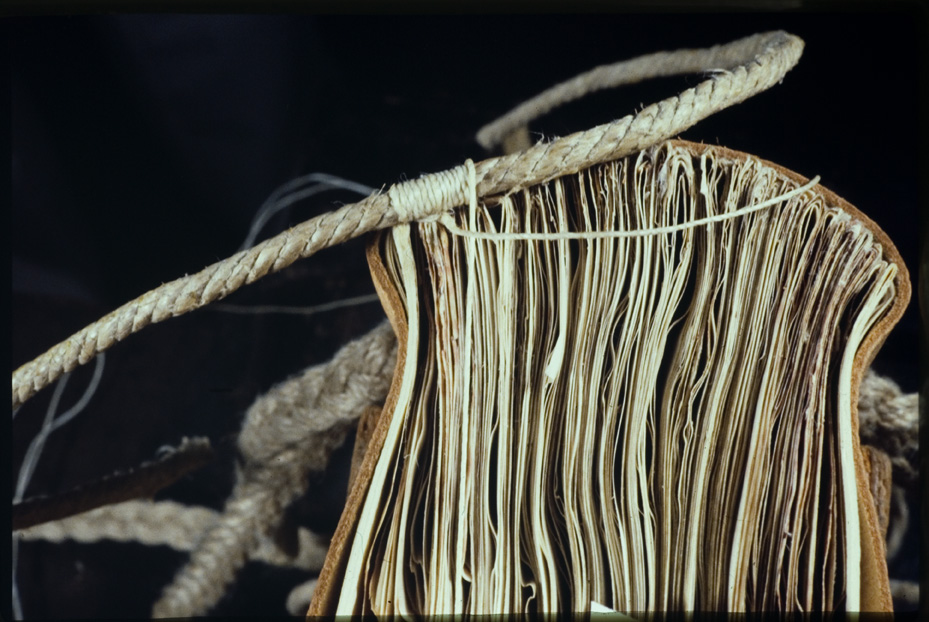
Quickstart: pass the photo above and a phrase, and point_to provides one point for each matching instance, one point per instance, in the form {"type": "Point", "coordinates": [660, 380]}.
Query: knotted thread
{"type": "Point", "coordinates": [764, 58]}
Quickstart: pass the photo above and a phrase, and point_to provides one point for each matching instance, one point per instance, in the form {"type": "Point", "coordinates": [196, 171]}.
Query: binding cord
{"type": "Point", "coordinates": [448, 221]}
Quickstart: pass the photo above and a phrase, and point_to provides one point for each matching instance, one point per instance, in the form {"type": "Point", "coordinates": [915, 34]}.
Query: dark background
{"type": "Point", "coordinates": [143, 145]}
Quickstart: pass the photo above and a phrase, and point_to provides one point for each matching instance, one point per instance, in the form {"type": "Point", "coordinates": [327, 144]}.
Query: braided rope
{"type": "Point", "coordinates": [719, 58]}
{"type": "Point", "coordinates": [765, 59]}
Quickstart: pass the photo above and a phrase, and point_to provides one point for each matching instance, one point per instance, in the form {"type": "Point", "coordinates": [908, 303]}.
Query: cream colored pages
{"type": "Point", "coordinates": [647, 422]}
{"type": "Point", "coordinates": [401, 266]}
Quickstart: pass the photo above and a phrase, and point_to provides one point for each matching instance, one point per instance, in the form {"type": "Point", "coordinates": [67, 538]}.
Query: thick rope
{"type": "Point", "coordinates": [172, 524]}
{"type": "Point", "coordinates": [765, 59]}
{"type": "Point", "coordinates": [889, 420]}
{"type": "Point", "coordinates": [298, 601]}
{"type": "Point", "coordinates": [288, 433]}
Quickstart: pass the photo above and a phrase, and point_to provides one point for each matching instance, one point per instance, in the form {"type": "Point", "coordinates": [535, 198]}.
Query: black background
{"type": "Point", "coordinates": [143, 145]}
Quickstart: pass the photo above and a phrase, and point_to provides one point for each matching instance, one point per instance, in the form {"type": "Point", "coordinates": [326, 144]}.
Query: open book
{"type": "Point", "coordinates": [656, 414]}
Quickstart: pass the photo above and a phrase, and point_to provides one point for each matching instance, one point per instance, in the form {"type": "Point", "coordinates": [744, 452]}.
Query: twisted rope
{"type": "Point", "coordinates": [172, 524]}
{"type": "Point", "coordinates": [288, 433]}
{"type": "Point", "coordinates": [757, 63]}
{"type": "Point", "coordinates": [889, 420]}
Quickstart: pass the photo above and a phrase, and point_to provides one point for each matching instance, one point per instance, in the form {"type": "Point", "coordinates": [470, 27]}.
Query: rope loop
{"type": "Point", "coordinates": [738, 70]}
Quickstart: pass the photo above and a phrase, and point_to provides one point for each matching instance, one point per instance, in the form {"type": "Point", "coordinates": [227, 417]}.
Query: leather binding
{"type": "Point", "coordinates": [873, 476]}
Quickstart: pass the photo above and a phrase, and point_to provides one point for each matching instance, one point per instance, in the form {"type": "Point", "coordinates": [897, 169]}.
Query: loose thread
{"type": "Point", "coordinates": [290, 192]}
{"type": "Point", "coordinates": [449, 222]}
{"type": "Point", "coordinates": [286, 310]}
{"type": "Point", "coordinates": [33, 453]}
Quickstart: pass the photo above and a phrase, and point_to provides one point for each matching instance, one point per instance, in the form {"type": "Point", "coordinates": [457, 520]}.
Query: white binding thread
{"type": "Point", "coordinates": [449, 222]}
{"type": "Point", "coordinates": [424, 199]}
